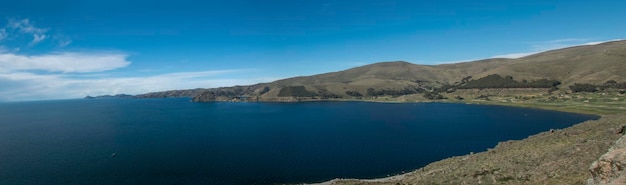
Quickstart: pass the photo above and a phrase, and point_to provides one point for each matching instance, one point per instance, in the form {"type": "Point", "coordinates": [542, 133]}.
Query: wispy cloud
{"type": "Point", "coordinates": [37, 38]}
{"type": "Point", "coordinates": [30, 86]}
{"type": "Point", "coordinates": [538, 47]}
{"type": "Point", "coordinates": [45, 76]}
{"type": "Point", "coordinates": [3, 34]}
{"type": "Point", "coordinates": [600, 42]}
{"type": "Point", "coordinates": [74, 75]}
{"type": "Point", "coordinates": [25, 26]}
{"type": "Point", "coordinates": [62, 75]}
{"type": "Point", "coordinates": [516, 55]}
{"type": "Point", "coordinates": [63, 43]}
{"type": "Point", "coordinates": [63, 62]}
{"type": "Point", "coordinates": [61, 40]}
{"type": "Point", "coordinates": [455, 61]}
{"type": "Point", "coordinates": [556, 44]}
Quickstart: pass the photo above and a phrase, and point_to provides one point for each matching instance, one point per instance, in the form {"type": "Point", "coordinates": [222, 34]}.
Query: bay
{"type": "Point", "coordinates": [174, 141]}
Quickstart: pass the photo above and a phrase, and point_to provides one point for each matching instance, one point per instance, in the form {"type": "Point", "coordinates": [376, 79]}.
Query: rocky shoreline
{"type": "Point", "coordinates": [609, 168]}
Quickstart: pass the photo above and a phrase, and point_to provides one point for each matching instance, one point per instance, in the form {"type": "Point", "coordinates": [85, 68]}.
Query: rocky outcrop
{"type": "Point", "coordinates": [609, 168]}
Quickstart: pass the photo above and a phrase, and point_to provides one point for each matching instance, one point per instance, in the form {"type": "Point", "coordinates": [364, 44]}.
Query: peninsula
{"type": "Point", "coordinates": [588, 79]}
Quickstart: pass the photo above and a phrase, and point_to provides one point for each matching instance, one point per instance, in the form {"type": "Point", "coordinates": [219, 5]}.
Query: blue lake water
{"type": "Point", "coordinates": [174, 141]}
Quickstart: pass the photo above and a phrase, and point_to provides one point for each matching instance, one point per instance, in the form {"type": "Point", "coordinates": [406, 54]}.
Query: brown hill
{"type": "Point", "coordinates": [584, 64]}
{"type": "Point", "coordinates": [594, 64]}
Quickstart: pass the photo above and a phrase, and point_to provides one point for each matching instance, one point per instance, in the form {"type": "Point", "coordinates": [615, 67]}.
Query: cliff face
{"type": "Point", "coordinates": [609, 168]}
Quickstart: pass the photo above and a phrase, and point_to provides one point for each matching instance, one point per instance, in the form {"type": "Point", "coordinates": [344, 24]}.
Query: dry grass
{"type": "Point", "coordinates": [583, 64]}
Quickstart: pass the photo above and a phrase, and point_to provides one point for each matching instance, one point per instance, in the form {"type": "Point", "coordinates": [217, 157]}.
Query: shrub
{"type": "Point", "coordinates": [433, 96]}
{"type": "Point", "coordinates": [497, 81]}
{"type": "Point", "coordinates": [295, 91]}
{"type": "Point", "coordinates": [583, 88]}
{"type": "Point", "coordinates": [353, 94]}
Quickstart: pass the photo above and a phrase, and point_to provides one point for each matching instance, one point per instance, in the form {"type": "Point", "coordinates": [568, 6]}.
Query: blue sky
{"type": "Point", "coordinates": [70, 49]}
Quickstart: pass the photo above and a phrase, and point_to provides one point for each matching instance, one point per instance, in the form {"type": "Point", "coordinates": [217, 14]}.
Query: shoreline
{"type": "Point", "coordinates": [373, 180]}
{"type": "Point", "coordinates": [435, 169]}
{"type": "Point", "coordinates": [489, 103]}
{"type": "Point", "coordinates": [531, 105]}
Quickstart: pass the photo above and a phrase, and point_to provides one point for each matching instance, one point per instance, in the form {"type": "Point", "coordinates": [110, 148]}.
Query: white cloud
{"type": "Point", "coordinates": [556, 44]}
{"type": "Point", "coordinates": [63, 62]}
{"type": "Point", "coordinates": [538, 47]}
{"type": "Point", "coordinates": [455, 61]}
{"type": "Point", "coordinates": [54, 75]}
{"type": "Point", "coordinates": [515, 55]}
{"type": "Point", "coordinates": [25, 26]}
{"type": "Point", "coordinates": [600, 42]}
{"type": "Point", "coordinates": [30, 86]}
{"type": "Point", "coordinates": [37, 38]}
{"type": "Point", "coordinates": [64, 43]}
{"type": "Point", "coordinates": [62, 75]}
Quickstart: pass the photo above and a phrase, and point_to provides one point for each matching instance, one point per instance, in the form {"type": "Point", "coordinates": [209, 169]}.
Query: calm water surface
{"type": "Point", "coordinates": [174, 141]}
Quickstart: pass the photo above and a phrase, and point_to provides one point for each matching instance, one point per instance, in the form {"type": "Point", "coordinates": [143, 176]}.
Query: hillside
{"type": "Point", "coordinates": [543, 80]}
{"type": "Point", "coordinates": [173, 93]}
{"type": "Point", "coordinates": [594, 64]}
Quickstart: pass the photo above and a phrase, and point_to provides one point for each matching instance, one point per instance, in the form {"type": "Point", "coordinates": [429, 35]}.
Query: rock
{"type": "Point", "coordinates": [620, 130]}
{"type": "Point", "coordinates": [609, 168]}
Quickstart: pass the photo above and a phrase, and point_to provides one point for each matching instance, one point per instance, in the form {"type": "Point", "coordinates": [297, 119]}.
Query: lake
{"type": "Point", "coordinates": [174, 141]}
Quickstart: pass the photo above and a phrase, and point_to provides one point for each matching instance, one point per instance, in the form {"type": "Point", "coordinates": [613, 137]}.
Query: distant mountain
{"type": "Point", "coordinates": [110, 96]}
{"type": "Point", "coordinates": [594, 64]}
{"type": "Point", "coordinates": [173, 93]}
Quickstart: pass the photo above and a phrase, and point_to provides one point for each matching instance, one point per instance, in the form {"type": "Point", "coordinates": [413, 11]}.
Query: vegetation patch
{"type": "Point", "coordinates": [354, 94]}
{"type": "Point", "coordinates": [583, 88]}
{"type": "Point", "coordinates": [295, 91]}
{"type": "Point", "coordinates": [394, 93]}
{"type": "Point", "coordinates": [497, 81]}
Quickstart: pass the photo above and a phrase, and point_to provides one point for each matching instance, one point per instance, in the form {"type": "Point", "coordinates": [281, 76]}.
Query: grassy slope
{"type": "Point", "coordinates": [583, 64]}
